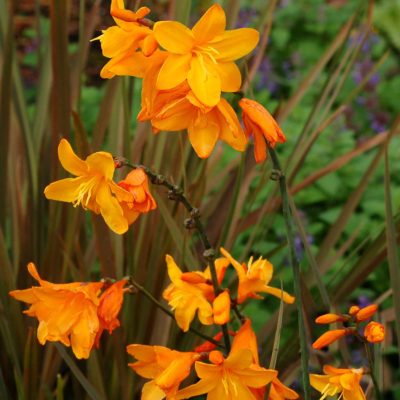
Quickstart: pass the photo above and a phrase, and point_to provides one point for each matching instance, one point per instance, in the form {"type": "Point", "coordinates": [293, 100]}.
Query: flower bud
{"type": "Point", "coordinates": [374, 332]}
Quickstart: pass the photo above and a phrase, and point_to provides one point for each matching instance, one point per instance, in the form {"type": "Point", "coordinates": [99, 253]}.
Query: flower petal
{"type": "Point", "coordinates": [204, 80]}
{"type": "Point", "coordinates": [174, 71]}
{"type": "Point", "coordinates": [230, 76]}
{"type": "Point", "coordinates": [286, 297]}
{"type": "Point", "coordinates": [211, 24]}
{"type": "Point", "coordinates": [65, 189]}
{"type": "Point", "coordinates": [203, 134]}
{"type": "Point", "coordinates": [69, 160]}
{"type": "Point", "coordinates": [132, 64]}
{"type": "Point", "coordinates": [101, 163]}
{"type": "Point", "coordinates": [174, 36]}
{"type": "Point", "coordinates": [235, 44]}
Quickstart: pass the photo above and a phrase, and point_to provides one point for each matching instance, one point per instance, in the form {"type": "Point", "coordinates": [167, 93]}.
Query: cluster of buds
{"type": "Point", "coordinates": [374, 332]}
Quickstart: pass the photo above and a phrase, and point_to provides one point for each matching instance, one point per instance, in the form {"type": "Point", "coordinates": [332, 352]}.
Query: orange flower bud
{"type": "Point", "coordinates": [329, 318]}
{"type": "Point", "coordinates": [366, 312]}
{"type": "Point", "coordinates": [222, 308]}
{"type": "Point", "coordinates": [193, 277]}
{"type": "Point", "coordinates": [354, 310]}
{"type": "Point", "coordinates": [374, 332]}
{"type": "Point", "coordinates": [216, 357]}
{"type": "Point", "coordinates": [206, 347]}
{"type": "Point", "coordinates": [329, 337]}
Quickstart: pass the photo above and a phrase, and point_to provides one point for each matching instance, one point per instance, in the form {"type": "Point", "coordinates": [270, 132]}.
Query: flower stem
{"type": "Point", "coordinates": [296, 270]}
{"type": "Point", "coordinates": [371, 370]}
{"type": "Point", "coordinates": [176, 193]}
{"type": "Point", "coordinates": [161, 306]}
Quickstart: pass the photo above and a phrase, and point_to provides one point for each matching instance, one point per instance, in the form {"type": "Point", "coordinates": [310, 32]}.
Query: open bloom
{"type": "Point", "coordinates": [236, 377]}
{"type": "Point", "coordinates": [190, 293]}
{"type": "Point", "coordinates": [121, 42]}
{"type": "Point", "coordinates": [166, 368]}
{"type": "Point", "coordinates": [93, 187]}
{"type": "Point", "coordinates": [279, 391]}
{"type": "Point", "coordinates": [137, 183]}
{"type": "Point", "coordinates": [262, 125]}
{"type": "Point", "coordinates": [374, 332]}
{"type": "Point", "coordinates": [254, 278]}
{"type": "Point", "coordinates": [339, 381]}
{"type": "Point", "coordinates": [204, 55]}
{"type": "Point", "coordinates": [69, 313]}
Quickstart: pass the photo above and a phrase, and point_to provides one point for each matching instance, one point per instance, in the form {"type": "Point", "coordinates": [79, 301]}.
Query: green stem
{"type": "Point", "coordinates": [176, 193]}
{"type": "Point", "coordinates": [296, 271]}
{"type": "Point", "coordinates": [371, 370]}
{"type": "Point", "coordinates": [161, 306]}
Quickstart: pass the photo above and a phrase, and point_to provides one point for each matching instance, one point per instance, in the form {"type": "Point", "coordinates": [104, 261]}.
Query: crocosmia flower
{"type": "Point", "coordinates": [278, 391]}
{"type": "Point", "coordinates": [204, 55]}
{"type": "Point", "coordinates": [254, 278]}
{"type": "Point", "coordinates": [374, 332]}
{"type": "Point", "coordinates": [236, 377]}
{"type": "Point", "coordinates": [339, 381]}
{"type": "Point", "coordinates": [74, 314]}
{"type": "Point", "coordinates": [260, 124]}
{"type": "Point", "coordinates": [329, 337]}
{"type": "Point", "coordinates": [122, 42]}
{"type": "Point", "coordinates": [93, 188]}
{"type": "Point", "coordinates": [137, 183]}
{"type": "Point", "coordinates": [166, 368]}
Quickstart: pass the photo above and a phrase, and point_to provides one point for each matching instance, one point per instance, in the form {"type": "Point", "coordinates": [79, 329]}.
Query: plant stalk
{"type": "Point", "coordinates": [372, 371]}
{"type": "Point", "coordinates": [295, 268]}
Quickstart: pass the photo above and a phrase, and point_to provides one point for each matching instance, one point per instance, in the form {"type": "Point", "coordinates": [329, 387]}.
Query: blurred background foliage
{"type": "Point", "coordinates": [328, 69]}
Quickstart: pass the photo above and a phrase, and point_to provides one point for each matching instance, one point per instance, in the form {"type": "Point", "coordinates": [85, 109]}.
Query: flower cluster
{"type": "Point", "coordinates": [75, 314]}
{"type": "Point", "coordinates": [120, 204]}
{"type": "Point", "coordinates": [374, 332]}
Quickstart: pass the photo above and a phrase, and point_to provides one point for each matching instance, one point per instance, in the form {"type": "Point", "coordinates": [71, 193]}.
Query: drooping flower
{"type": "Point", "coordinates": [109, 307]}
{"type": "Point", "coordinates": [122, 42]}
{"type": "Point", "coordinates": [68, 313]}
{"type": "Point", "coordinates": [236, 377]}
{"type": "Point", "coordinates": [374, 332]}
{"type": "Point", "coordinates": [254, 278]}
{"type": "Point", "coordinates": [166, 368]}
{"type": "Point", "coordinates": [179, 109]}
{"type": "Point", "coordinates": [189, 293]}
{"type": "Point", "coordinates": [93, 187]}
{"type": "Point", "coordinates": [262, 125]}
{"type": "Point", "coordinates": [136, 183]}
{"type": "Point", "coordinates": [339, 381]}
{"type": "Point", "coordinates": [204, 55]}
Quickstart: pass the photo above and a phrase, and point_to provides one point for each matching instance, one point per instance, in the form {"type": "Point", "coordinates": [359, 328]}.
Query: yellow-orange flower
{"type": "Point", "coordinates": [278, 391]}
{"type": "Point", "coordinates": [166, 368]}
{"type": "Point", "coordinates": [93, 188]}
{"type": "Point", "coordinates": [67, 313]}
{"type": "Point", "coordinates": [121, 42]}
{"type": "Point", "coordinates": [262, 125]}
{"type": "Point", "coordinates": [110, 304]}
{"type": "Point", "coordinates": [204, 55]}
{"type": "Point", "coordinates": [329, 318]}
{"type": "Point", "coordinates": [222, 308]}
{"type": "Point", "coordinates": [329, 337]}
{"type": "Point", "coordinates": [254, 278]}
{"type": "Point", "coordinates": [339, 381]}
{"type": "Point", "coordinates": [374, 332]}
{"type": "Point", "coordinates": [235, 377]}
{"type": "Point", "coordinates": [136, 183]}
{"type": "Point", "coordinates": [186, 298]}
{"type": "Point", "coordinates": [179, 109]}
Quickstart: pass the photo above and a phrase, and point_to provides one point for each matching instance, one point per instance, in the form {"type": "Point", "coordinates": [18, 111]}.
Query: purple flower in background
{"type": "Point", "coordinates": [265, 73]}
{"type": "Point", "coordinates": [298, 245]}
{"type": "Point", "coordinates": [363, 301]}
{"type": "Point", "coordinates": [246, 17]}
{"type": "Point", "coordinates": [379, 121]}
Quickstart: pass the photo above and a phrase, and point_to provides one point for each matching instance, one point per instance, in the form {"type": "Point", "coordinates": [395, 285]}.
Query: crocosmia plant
{"type": "Point", "coordinates": [241, 257]}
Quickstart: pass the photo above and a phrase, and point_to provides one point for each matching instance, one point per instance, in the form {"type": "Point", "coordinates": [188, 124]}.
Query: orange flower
{"type": "Point", "coordinates": [353, 310]}
{"type": "Point", "coordinates": [67, 313]}
{"type": "Point", "coordinates": [366, 312]}
{"type": "Point", "coordinates": [109, 307]}
{"type": "Point", "coordinates": [329, 337]}
{"type": "Point", "coordinates": [329, 318]}
{"type": "Point", "coordinates": [121, 42]}
{"type": "Point", "coordinates": [166, 368]}
{"type": "Point", "coordinates": [93, 187]}
{"type": "Point", "coordinates": [204, 55]}
{"type": "Point", "coordinates": [279, 391]}
{"type": "Point", "coordinates": [254, 278]}
{"type": "Point", "coordinates": [187, 298]}
{"type": "Point", "coordinates": [222, 308]}
{"type": "Point", "coordinates": [262, 125]}
{"type": "Point", "coordinates": [374, 332]}
{"type": "Point", "coordinates": [179, 109]}
{"type": "Point", "coordinates": [339, 381]}
{"type": "Point", "coordinates": [136, 183]}
{"type": "Point", "coordinates": [235, 377]}
{"type": "Point", "coordinates": [207, 346]}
